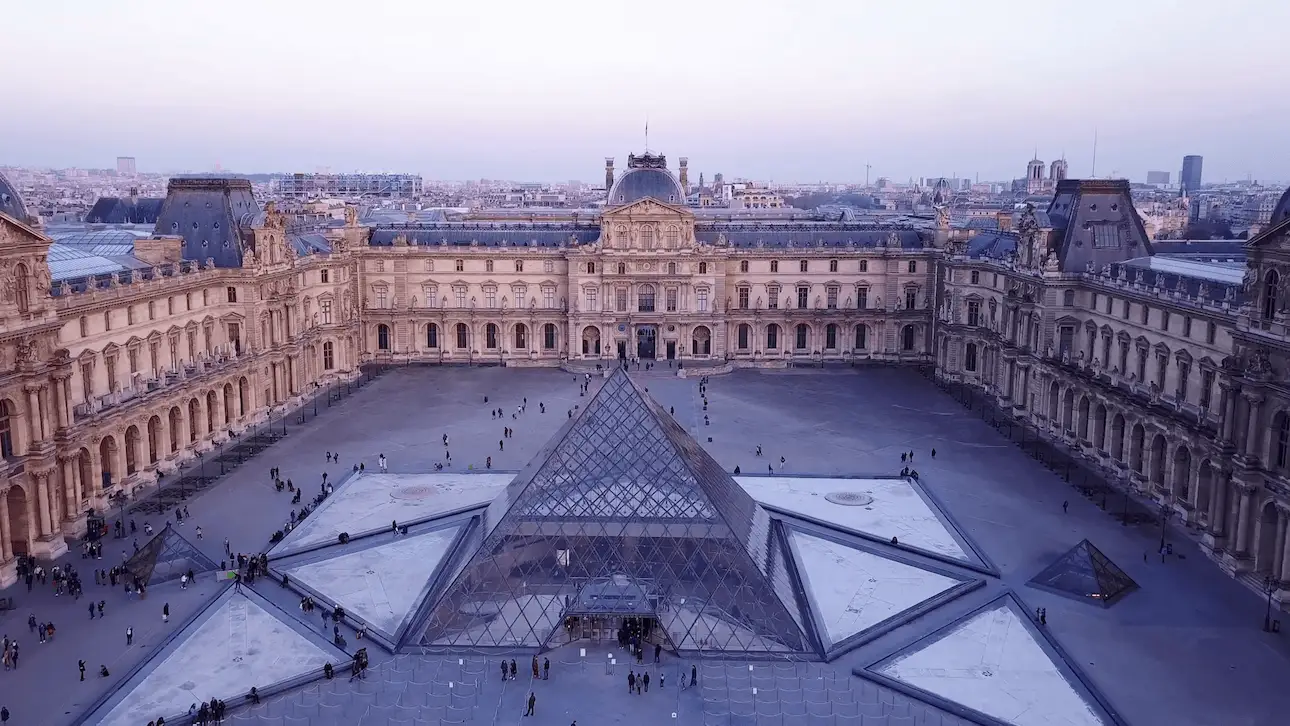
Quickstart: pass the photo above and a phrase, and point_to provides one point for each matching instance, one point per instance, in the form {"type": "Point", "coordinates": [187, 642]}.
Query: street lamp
{"type": "Point", "coordinates": [202, 463]}
{"type": "Point", "coordinates": [1164, 522]}
{"type": "Point", "coordinates": [1269, 586]}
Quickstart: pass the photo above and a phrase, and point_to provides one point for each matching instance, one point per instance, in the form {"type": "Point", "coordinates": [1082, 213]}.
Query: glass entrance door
{"type": "Point", "coordinates": [645, 336]}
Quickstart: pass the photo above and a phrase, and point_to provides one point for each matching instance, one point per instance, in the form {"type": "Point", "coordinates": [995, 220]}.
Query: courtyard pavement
{"type": "Point", "coordinates": [1186, 648]}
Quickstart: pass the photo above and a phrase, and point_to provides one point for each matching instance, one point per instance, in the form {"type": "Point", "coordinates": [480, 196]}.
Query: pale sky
{"type": "Point", "coordinates": [771, 90]}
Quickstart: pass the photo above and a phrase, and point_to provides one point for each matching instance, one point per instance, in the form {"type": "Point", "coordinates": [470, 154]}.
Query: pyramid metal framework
{"type": "Point", "coordinates": [1085, 574]}
{"type": "Point", "coordinates": [625, 515]}
{"type": "Point", "coordinates": [167, 556]}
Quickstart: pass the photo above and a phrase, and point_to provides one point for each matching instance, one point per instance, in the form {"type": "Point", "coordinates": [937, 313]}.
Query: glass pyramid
{"type": "Point", "coordinates": [167, 556]}
{"type": "Point", "coordinates": [624, 515]}
{"type": "Point", "coordinates": [1085, 574]}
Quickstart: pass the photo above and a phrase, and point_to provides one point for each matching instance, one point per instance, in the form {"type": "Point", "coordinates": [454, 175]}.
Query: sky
{"type": "Point", "coordinates": [801, 91]}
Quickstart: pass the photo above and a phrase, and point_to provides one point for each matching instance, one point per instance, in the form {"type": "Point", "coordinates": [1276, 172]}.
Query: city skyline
{"type": "Point", "coordinates": [803, 94]}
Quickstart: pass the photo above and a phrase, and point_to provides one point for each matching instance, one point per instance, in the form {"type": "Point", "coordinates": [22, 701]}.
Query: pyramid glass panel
{"type": "Point", "coordinates": [624, 515]}
{"type": "Point", "coordinates": [1084, 573]}
{"type": "Point", "coordinates": [167, 556]}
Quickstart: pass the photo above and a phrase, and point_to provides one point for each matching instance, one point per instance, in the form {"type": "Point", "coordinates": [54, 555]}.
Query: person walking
{"type": "Point", "coordinates": [91, 611]}
{"type": "Point", "coordinates": [1065, 505]}
{"type": "Point", "coordinates": [199, 531]}
{"type": "Point", "coordinates": [129, 636]}
{"type": "Point", "coordinates": [546, 669]}
{"type": "Point", "coordinates": [532, 703]}
{"type": "Point", "coordinates": [504, 670]}
{"type": "Point", "coordinates": [694, 675]}
{"type": "Point", "coordinates": [82, 667]}
{"type": "Point", "coordinates": [645, 680]}
{"type": "Point", "coordinates": [165, 613]}
{"type": "Point", "coordinates": [658, 651]}
{"type": "Point", "coordinates": [381, 461]}
{"type": "Point", "coordinates": [631, 681]}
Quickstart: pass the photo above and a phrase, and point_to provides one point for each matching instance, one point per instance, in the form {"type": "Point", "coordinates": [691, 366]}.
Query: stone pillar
{"type": "Point", "coordinates": [33, 415]}
{"type": "Point", "coordinates": [96, 472]}
{"type": "Point", "coordinates": [42, 499]}
{"type": "Point", "coordinates": [1217, 503]}
{"type": "Point", "coordinates": [72, 502]}
{"type": "Point", "coordinates": [6, 537]}
{"type": "Point", "coordinates": [1284, 574]}
{"type": "Point", "coordinates": [1280, 542]}
{"type": "Point", "coordinates": [1253, 432]}
{"type": "Point", "coordinates": [60, 403]}
{"type": "Point", "coordinates": [1243, 523]}
{"type": "Point", "coordinates": [67, 400]}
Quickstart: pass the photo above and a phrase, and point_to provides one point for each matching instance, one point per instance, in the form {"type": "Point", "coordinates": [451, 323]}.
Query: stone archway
{"type": "Point", "coordinates": [84, 474]}
{"type": "Point", "coordinates": [701, 341]}
{"type": "Point", "coordinates": [1156, 469]}
{"type": "Point", "coordinates": [176, 420]}
{"type": "Point", "coordinates": [1265, 554]}
{"type": "Point", "coordinates": [154, 439]}
{"type": "Point", "coordinates": [194, 420]}
{"type": "Point", "coordinates": [1204, 490]}
{"type": "Point", "coordinates": [1068, 410]}
{"type": "Point", "coordinates": [108, 459]}
{"type": "Point", "coordinates": [19, 520]}
{"type": "Point", "coordinates": [1117, 437]}
{"type": "Point", "coordinates": [1137, 446]}
{"type": "Point", "coordinates": [1083, 418]}
{"type": "Point", "coordinates": [1182, 474]}
{"type": "Point", "coordinates": [591, 340]}
{"type": "Point", "coordinates": [211, 403]}
{"type": "Point", "coordinates": [228, 404]}
{"type": "Point", "coordinates": [243, 396]}
{"type": "Point", "coordinates": [1054, 401]}
{"type": "Point", "coordinates": [1099, 427]}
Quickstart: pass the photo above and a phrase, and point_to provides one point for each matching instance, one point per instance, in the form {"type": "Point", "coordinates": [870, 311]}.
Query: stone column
{"type": "Point", "coordinates": [1217, 500]}
{"type": "Point", "coordinates": [67, 400]}
{"type": "Point", "coordinates": [42, 398]}
{"type": "Point", "coordinates": [1280, 542]}
{"type": "Point", "coordinates": [33, 415]}
{"type": "Point", "coordinates": [69, 488]}
{"type": "Point", "coordinates": [6, 537]}
{"type": "Point", "coordinates": [42, 499]}
{"type": "Point", "coordinates": [1284, 574]}
{"type": "Point", "coordinates": [1253, 432]}
{"type": "Point", "coordinates": [96, 472]}
{"type": "Point", "coordinates": [1243, 523]}
{"type": "Point", "coordinates": [1229, 414]}
{"type": "Point", "coordinates": [60, 403]}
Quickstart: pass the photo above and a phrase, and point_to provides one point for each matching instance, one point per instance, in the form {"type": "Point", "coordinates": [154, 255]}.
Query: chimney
{"type": "Point", "coordinates": [609, 173]}
{"type": "Point", "coordinates": [685, 175]}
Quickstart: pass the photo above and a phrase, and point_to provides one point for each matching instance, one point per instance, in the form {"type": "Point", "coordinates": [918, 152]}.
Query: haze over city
{"type": "Point", "coordinates": [800, 91]}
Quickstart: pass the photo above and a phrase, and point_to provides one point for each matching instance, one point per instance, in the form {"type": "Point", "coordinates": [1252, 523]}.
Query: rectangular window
{"type": "Point", "coordinates": [911, 298]}
{"type": "Point", "coordinates": [645, 299]}
{"type": "Point", "coordinates": [1106, 235]}
{"type": "Point", "coordinates": [132, 355]}
{"type": "Point", "coordinates": [743, 298]}
{"type": "Point", "coordinates": [490, 297]}
{"type": "Point", "coordinates": [1092, 302]}
{"type": "Point", "coordinates": [548, 298]}
{"type": "Point", "coordinates": [1106, 351]}
{"type": "Point", "coordinates": [833, 265]}
{"type": "Point", "coordinates": [774, 265]}
{"type": "Point", "coordinates": [380, 298]}
{"type": "Point", "coordinates": [548, 337]}
{"type": "Point", "coordinates": [975, 277]}
{"type": "Point", "coordinates": [1164, 320]}
{"type": "Point", "coordinates": [488, 265]}
{"type": "Point", "coordinates": [1068, 298]}
{"type": "Point", "coordinates": [1125, 312]}
{"type": "Point", "coordinates": [548, 266]}
{"type": "Point", "coordinates": [974, 313]}
{"type": "Point", "coordinates": [460, 265]}
{"type": "Point", "coordinates": [1142, 365]}
{"type": "Point", "coordinates": [743, 265]}
{"type": "Point", "coordinates": [1206, 388]}
{"type": "Point", "coordinates": [519, 265]}
{"type": "Point", "coordinates": [803, 266]}
{"type": "Point", "coordinates": [324, 275]}
{"type": "Point", "coordinates": [772, 297]}
{"type": "Point", "coordinates": [864, 265]}
{"type": "Point", "coordinates": [1146, 314]}
{"type": "Point", "coordinates": [1162, 371]}
{"type": "Point", "coordinates": [831, 297]}
{"type": "Point", "coordinates": [1184, 372]}
{"type": "Point", "coordinates": [1109, 302]}
{"type": "Point", "coordinates": [1186, 326]}
{"type": "Point", "coordinates": [995, 282]}
{"type": "Point", "coordinates": [431, 293]}
{"type": "Point", "coordinates": [378, 265]}
{"type": "Point", "coordinates": [87, 380]}
{"type": "Point", "coordinates": [324, 310]}
{"type": "Point", "coordinates": [152, 309]}
{"type": "Point", "coordinates": [113, 387]}
{"type": "Point", "coordinates": [913, 266]}
{"type": "Point", "coordinates": [459, 295]}
{"type": "Point", "coordinates": [188, 301]}
{"type": "Point", "coordinates": [803, 295]}
{"type": "Point", "coordinates": [620, 299]}
{"type": "Point", "coordinates": [1211, 332]}
{"type": "Point", "coordinates": [862, 298]}
{"type": "Point", "coordinates": [703, 300]}
{"type": "Point", "coordinates": [107, 319]}
{"type": "Point", "coordinates": [671, 299]}
{"type": "Point", "coordinates": [329, 361]}
{"type": "Point", "coordinates": [590, 295]}
{"type": "Point", "coordinates": [1124, 358]}
{"type": "Point", "coordinates": [231, 292]}
{"type": "Point", "coordinates": [1066, 340]}
{"type": "Point", "coordinates": [129, 315]}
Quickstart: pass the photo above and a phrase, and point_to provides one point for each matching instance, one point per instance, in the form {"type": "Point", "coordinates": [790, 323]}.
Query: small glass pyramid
{"type": "Point", "coordinates": [167, 556]}
{"type": "Point", "coordinates": [1086, 574]}
{"type": "Point", "coordinates": [624, 515]}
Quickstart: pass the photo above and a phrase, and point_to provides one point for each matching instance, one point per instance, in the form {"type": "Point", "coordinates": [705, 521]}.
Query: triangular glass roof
{"type": "Point", "coordinates": [1085, 574]}
{"type": "Point", "coordinates": [624, 514]}
{"type": "Point", "coordinates": [167, 556]}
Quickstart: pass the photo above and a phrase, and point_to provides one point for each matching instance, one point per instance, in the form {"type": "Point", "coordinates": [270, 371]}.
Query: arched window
{"type": "Point", "coordinates": [6, 429]}
{"type": "Point", "coordinates": [521, 336]}
{"type": "Point", "coordinates": [432, 335]}
{"type": "Point", "coordinates": [831, 336]}
{"type": "Point", "coordinates": [671, 268]}
{"type": "Point", "coordinates": [548, 336]}
{"type": "Point", "coordinates": [907, 338]}
{"type": "Point", "coordinates": [862, 337]}
{"type": "Point", "coordinates": [1281, 441]}
{"type": "Point", "coordinates": [490, 336]}
{"type": "Point", "coordinates": [703, 268]}
{"type": "Point", "coordinates": [622, 268]}
{"type": "Point", "coordinates": [329, 356]}
{"type": "Point", "coordinates": [20, 287]}
{"type": "Point", "coordinates": [462, 336]}
{"type": "Point", "coordinates": [969, 359]}
{"type": "Point", "coordinates": [645, 299]}
{"type": "Point", "coordinates": [673, 238]}
{"type": "Point", "coordinates": [1270, 284]}
{"type": "Point", "coordinates": [803, 334]}
{"type": "Point", "coordinates": [772, 337]}
{"type": "Point", "coordinates": [383, 337]}
{"type": "Point", "coordinates": [591, 268]}
{"type": "Point", "coordinates": [744, 334]}
{"type": "Point", "coordinates": [647, 237]}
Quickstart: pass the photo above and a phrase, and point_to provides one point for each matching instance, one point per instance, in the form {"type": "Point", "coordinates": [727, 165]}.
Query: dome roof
{"type": "Point", "coordinates": [10, 202]}
{"type": "Point", "coordinates": [646, 182]}
{"type": "Point", "coordinates": [1282, 211]}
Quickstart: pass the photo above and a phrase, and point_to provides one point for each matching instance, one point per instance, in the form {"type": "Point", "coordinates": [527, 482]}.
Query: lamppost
{"type": "Point", "coordinates": [202, 463]}
{"type": "Point", "coordinates": [1269, 587]}
{"type": "Point", "coordinates": [119, 498]}
{"type": "Point", "coordinates": [1164, 522]}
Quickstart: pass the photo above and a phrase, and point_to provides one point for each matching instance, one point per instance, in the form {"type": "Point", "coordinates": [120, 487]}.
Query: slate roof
{"type": "Point", "coordinates": [123, 210]}
{"type": "Point", "coordinates": [1281, 212]}
{"type": "Point", "coordinates": [992, 245]}
{"type": "Point", "coordinates": [209, 213]}
{"type": "Point", "coordinates": [308, 243]}
{"type": "Point", "coordinates": [639, 183]}
{"type": "Point", "coordinates": [11, 201]}
{"type": "Point", "coordinates": [807, 235]}
{"type": "Point", "coordinates": [1215, 247]}
{"type": "Point", "coordinates": [1088, 211]}
{"type": "Point", "coordinates": [488, 234]}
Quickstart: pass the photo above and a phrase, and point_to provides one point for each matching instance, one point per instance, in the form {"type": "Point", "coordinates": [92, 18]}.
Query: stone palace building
{"type": "Point", "coordinates": [1162, 363]}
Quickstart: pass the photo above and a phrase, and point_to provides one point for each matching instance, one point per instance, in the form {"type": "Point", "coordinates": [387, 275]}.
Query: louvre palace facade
{"type": "Point", "coordinates": [1163, 364]}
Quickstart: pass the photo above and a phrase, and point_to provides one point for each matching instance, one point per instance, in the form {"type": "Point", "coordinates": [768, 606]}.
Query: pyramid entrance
{"type": "Point", "coordinates": [625, 521]}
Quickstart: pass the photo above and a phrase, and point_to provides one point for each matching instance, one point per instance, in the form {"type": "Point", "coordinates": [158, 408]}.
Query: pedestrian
{"type": "Point", "coordinates": [165, 613]}
{"type": "Point", "coordinates": [101, 604]}
{"type": "Point", "coordinates": [645, 680]}
{"type": "Point", "coordinates": [500, 445]}
{"type": "Point", "coordinates": [694, 675]}
{"type": "Point", "coordinates": [782, 461]}
{"type": "Point", "coordinates": [91, 611]}
{"type": "Point", "coordinates": [1065, 505]}
{"type": "Point", "coordinates": [658, 651]}
{"type": "Point", "coordinates": [199, 531]}
{"type": "Point", "coordinates": [381, 461]}
{"type": "Point", "coordinates": [535, 668]}
{"type": "Point", "coordinates": [129, 636]}
{"type": "Point", "coordinates": [546, 668]}
{"type": "Point", "coordinates": [228, 550]}
{"type": "Point", "coordinates": [515, 673]}
{"type": "Point", "coordinates": [662, 677]}
{"type": "Point", "coordinates": [902, 457]}
{"type": "Point", "coordinates": [488, 463]}
{"type": "Point", "coordinates": [933, 453]}
{"type": "Point", "coordinates": [81, 664]}
{"type": "Point", "coordinates": [631, 681]}
{"type": "Point", "coordinates": [504, 671]}
{"type": "Point", "coordinates": [4, 714]}
{"type": "Point", "coordinates": [532, 702]}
